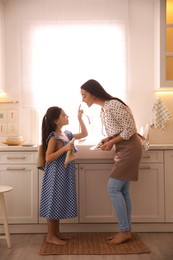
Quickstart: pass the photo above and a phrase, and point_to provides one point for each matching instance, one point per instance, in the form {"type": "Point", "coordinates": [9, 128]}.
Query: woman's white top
{"type": "Point", "coordinates": [118, 119]}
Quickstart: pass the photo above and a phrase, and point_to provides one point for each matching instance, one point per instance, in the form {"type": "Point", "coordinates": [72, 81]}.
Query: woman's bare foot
{"type": "Point", "coordinates": [59, 235]}
{"type": "Point", "coordinates": [120, 238]}
{"type": "Point", "coordinates": [55, 240]}
{"type": "Point", "coordinates": [111, 237]}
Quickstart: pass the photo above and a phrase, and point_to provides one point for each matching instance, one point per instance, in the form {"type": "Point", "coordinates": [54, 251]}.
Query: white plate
{"type": "Point", "coordinates": [13, 143]}
{"type": "Point", "coordinates": [95, 148]}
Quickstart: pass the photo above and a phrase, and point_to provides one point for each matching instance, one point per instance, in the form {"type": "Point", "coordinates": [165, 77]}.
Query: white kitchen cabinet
{"type": "Point", "coordinates": [94, 202]}
{"type": "Point", "coordinates": [169, 185]}
{"type": "Point", "coordinates": [2, 64]}
{"type": "Point", "coordinates": [18, 169]}
{"type": "Point", "coordinates": [147, 194]}
{"type": "Point", "coordinates": [151, 195]}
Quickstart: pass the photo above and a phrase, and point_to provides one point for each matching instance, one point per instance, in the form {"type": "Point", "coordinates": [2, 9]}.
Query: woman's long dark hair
{"type": "Point", "coordinates": [94, 88]}
{"type": "Point", "coordinates": [48, 123]}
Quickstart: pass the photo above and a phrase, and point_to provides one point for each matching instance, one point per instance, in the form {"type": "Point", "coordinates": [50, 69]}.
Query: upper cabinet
{"type": "Point", "coordinates": [1, 46]}
{"type": "Point", "coordinates": [166, 43]}
{"type": "Point", "coordinates": [169, 40]}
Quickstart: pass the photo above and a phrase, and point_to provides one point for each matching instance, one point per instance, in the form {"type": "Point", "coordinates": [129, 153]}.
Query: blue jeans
{"type": "Point", "coordinates": [119, 193]}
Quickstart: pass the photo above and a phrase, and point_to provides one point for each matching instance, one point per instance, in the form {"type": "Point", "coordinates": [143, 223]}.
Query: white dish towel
{"type": "Point", "coordinates": [160, 115]}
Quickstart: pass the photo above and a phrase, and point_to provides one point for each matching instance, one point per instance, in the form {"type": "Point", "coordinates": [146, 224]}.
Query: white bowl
{"type": "Point", "coordinates": [14, 139]}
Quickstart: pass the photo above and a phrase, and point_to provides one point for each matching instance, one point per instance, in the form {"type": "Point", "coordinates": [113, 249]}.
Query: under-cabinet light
{"type": "Point", "coordinates": [164, 91]}
{"type": "Point", "coordinates": [2, 93]}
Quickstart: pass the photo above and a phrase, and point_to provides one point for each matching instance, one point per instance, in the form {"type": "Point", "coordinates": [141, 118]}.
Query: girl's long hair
{"type": "Point", "coordinates": [48, 124]}
{"type": "Point", "coordinates": [94, 88]}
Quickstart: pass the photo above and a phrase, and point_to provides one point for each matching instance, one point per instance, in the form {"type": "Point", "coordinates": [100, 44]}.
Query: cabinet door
{"type": "Point", "coordinates": [22, 201]}
{"type": "Point", "coordinates": [147, 194]}
{"type": "Point", "coordinates": [166, 43]}
{"type": "Point", "coordinates": [169, 185]}
{"type": "Point", "coordinates": [94, 202]}
{"type": "Point", "coordinates": [70, 220]}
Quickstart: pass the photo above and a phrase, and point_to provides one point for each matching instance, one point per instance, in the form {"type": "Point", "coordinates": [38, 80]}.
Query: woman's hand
{"type": "Point", "coordinates": [106, 146]}
{"type": "Point", "coordinates": [105, 140]}
{"type": "Point", "coordinates": [107, 143]}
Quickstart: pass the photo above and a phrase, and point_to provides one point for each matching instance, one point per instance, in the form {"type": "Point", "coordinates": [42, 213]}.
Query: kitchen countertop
{"type": "Point", "coordinates": [80, 147]}
{"type": "Point", "coordinates": [84, 151]}
{"type": "Point", "coordinates": [161, 147]}
{"type": "Point", "coordinates": [18, 148]}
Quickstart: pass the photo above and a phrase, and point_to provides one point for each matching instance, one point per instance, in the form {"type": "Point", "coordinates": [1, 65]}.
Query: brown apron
{"type": "Point", "coordinates": [127, 158]}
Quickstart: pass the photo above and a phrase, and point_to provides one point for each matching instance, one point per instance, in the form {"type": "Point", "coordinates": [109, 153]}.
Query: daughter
{"type": "Point", "coordinates": [58, 194]}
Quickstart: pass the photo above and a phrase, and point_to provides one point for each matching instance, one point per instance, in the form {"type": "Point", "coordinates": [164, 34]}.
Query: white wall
{"type": "Point", "coordinates": [141, 58]}
{"type": "Point", "coordinates": [141, 49]}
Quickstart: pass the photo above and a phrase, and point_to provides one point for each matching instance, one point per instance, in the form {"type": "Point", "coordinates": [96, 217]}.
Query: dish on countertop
{"type": "Point", "coordinates": [12, 143]}
{"type": "Point", "coordinates": [14, 140]}
{"type": "Point", "coordinates": [17, 138]}
{"type": "Point", "coordinates": [28, 145]}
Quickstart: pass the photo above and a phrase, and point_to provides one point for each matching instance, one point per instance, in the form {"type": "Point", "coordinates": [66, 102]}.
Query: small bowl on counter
{"type": "Point", "coordinates": [14, 140]}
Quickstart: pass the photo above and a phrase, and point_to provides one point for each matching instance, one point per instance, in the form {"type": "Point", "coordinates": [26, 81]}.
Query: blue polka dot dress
{"type": "Point", "coordinates": [58, 193]}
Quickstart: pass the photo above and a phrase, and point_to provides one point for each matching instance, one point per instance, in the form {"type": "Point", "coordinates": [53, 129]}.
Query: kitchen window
{"type": "Point", "coordinates": [58, 57]}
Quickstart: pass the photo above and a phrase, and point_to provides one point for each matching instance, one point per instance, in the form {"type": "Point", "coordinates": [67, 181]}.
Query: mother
{"type": "Point", "coordinates": [120, 128]}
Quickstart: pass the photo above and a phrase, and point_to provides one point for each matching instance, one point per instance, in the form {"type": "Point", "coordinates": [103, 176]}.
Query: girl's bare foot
{"type": "Point", "coordinates": [120, 238]}
{"type": "Point", "coordinates": [55, 240]}
{"type": "Point", "coordinates": [63, 236]}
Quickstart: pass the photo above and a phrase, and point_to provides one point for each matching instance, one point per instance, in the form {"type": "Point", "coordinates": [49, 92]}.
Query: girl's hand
{"type": "Point", "coordinates": [80, 112]}
{"type": "Point", "coordinates": [69, 146]}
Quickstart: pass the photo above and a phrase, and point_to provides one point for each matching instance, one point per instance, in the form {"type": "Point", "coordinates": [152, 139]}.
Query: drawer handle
{"type": "Point", "coordinates": [9, 158]}
{"type": "Point", "coordinates": [15, 169]}
{"type": "Point", "coordinates": [145, 168]}
{"type": "Point", "coordinates": [146, 157]}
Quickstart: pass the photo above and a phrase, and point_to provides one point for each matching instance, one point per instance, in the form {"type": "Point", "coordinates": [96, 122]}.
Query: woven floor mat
{"type": "Point", "coordinates": [93, 244]}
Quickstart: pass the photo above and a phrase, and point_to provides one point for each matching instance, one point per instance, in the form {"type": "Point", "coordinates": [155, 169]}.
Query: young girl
{"type": "Point", "coordinates": [58, 194]}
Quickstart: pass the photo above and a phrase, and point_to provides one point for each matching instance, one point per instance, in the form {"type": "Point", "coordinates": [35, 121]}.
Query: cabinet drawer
{"type": "Point", "coordinates": [154, 156]}
{"type": "Point", "coordinates": [16, 168]}
{"type": "Point", "coordinates": [18, 157]}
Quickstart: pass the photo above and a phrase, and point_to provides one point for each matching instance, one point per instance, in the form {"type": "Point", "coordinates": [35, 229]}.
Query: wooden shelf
{"type": "Point", "coordinates": [9, 102]}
